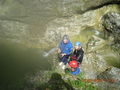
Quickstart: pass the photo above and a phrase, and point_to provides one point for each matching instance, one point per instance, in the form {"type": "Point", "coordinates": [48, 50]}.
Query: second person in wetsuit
{"type": "Point", "coordinates": [78, 53]}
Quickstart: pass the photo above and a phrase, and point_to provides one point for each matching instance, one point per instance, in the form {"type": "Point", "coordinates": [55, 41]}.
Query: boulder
{"type": "Point", "coordinates": [111, 23]}
{"type": "Point", "coordinates": [111, 74]}
{"type": "Point", "coordinates": [111, 79]}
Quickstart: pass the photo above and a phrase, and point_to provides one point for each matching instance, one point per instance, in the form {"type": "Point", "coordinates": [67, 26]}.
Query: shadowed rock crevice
{"type": "Point", "coordinates": [99, 6]}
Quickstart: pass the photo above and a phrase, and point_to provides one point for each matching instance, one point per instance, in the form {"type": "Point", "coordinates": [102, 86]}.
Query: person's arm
{"type": "Point", "coordinates": [70, 49]}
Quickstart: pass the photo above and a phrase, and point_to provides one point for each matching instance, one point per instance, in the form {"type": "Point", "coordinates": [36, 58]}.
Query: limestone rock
{"type": "Point", "coordinates": [111, 23]}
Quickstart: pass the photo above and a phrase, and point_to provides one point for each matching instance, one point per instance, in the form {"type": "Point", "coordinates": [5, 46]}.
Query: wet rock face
{"type": "Point", "coordinates": [70, 7]}
{"type": "Point", "coordinates": [70, 26]}
{"type": "Point", "coordinates": [111, 73]}
{"type": "Point", "coordinates": [29, 19]}
{"type": "Point", "coordinates": [93, 62]}
{"type": "Point", "coordinates": [13, 30]}
{"type": "Point", "coordinates": [112, 76]}
{"type": "Point", "coordinates": [111, 23]}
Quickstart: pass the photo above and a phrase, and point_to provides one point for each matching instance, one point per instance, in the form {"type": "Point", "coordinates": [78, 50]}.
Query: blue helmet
{"type": "Point", "coordinates": [77, 43]}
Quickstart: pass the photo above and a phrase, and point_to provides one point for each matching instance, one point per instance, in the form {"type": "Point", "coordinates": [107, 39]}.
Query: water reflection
{"type": "Point", "coordinates": [17, 60]}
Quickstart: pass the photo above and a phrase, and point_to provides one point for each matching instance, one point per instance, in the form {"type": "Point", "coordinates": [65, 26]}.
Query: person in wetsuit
{"type": "Point", "coordinates": [78, 53]}
{"type": "Point", "coordinates": [64, 50]}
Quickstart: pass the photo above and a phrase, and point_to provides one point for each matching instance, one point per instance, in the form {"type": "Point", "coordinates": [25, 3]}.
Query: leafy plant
{"type": "Point", "coordinates": [80, 84]}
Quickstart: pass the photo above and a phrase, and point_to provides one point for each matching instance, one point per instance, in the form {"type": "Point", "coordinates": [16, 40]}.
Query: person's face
{"type": "Point", "coordinates": [77, 47]}
{"type": "Point", "coordinates": [72, 69]}
{"type": "Point", "coordinates": [65, 41]}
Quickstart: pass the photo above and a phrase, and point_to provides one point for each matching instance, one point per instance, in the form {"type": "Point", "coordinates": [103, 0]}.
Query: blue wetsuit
{"type": "Point", "coordinates": [67, 49]}
{"type": "Point", "coordinates": [77, 71]}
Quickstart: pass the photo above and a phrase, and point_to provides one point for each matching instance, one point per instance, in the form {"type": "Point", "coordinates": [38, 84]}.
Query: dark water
{"type": "Point", "coordinates": [16, 61]}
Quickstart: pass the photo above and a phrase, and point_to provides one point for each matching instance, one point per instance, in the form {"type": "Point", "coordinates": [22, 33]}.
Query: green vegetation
{"type": "Point", "coordinates": [79, 83]}
{"type": "Point", "coordinates": [59, 81]}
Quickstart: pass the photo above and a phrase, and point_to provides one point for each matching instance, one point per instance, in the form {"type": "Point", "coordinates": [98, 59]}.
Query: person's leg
{"type": "Point", "coordinates": [60, 59]}
{"type": "Point", "coordinates": [65, 61]}
{"type": "Point", "coordinates": [80, 60]}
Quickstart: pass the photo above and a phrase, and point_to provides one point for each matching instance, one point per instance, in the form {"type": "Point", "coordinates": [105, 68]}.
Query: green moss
{"type": "Point", "coordinates": [110, 56]}
{"type": "Point", "coordinates": [84, 35]}
{"type": "Point", "coordinates": [113, 61]}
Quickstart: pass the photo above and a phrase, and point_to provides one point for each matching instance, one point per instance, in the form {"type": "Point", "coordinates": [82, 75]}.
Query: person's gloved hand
{"type": "Point", "coordinates": [63, 54]}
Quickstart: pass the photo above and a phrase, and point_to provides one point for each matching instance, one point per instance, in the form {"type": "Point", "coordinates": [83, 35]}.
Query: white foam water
{"type": "Point", "coordinates": [46, 54]}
